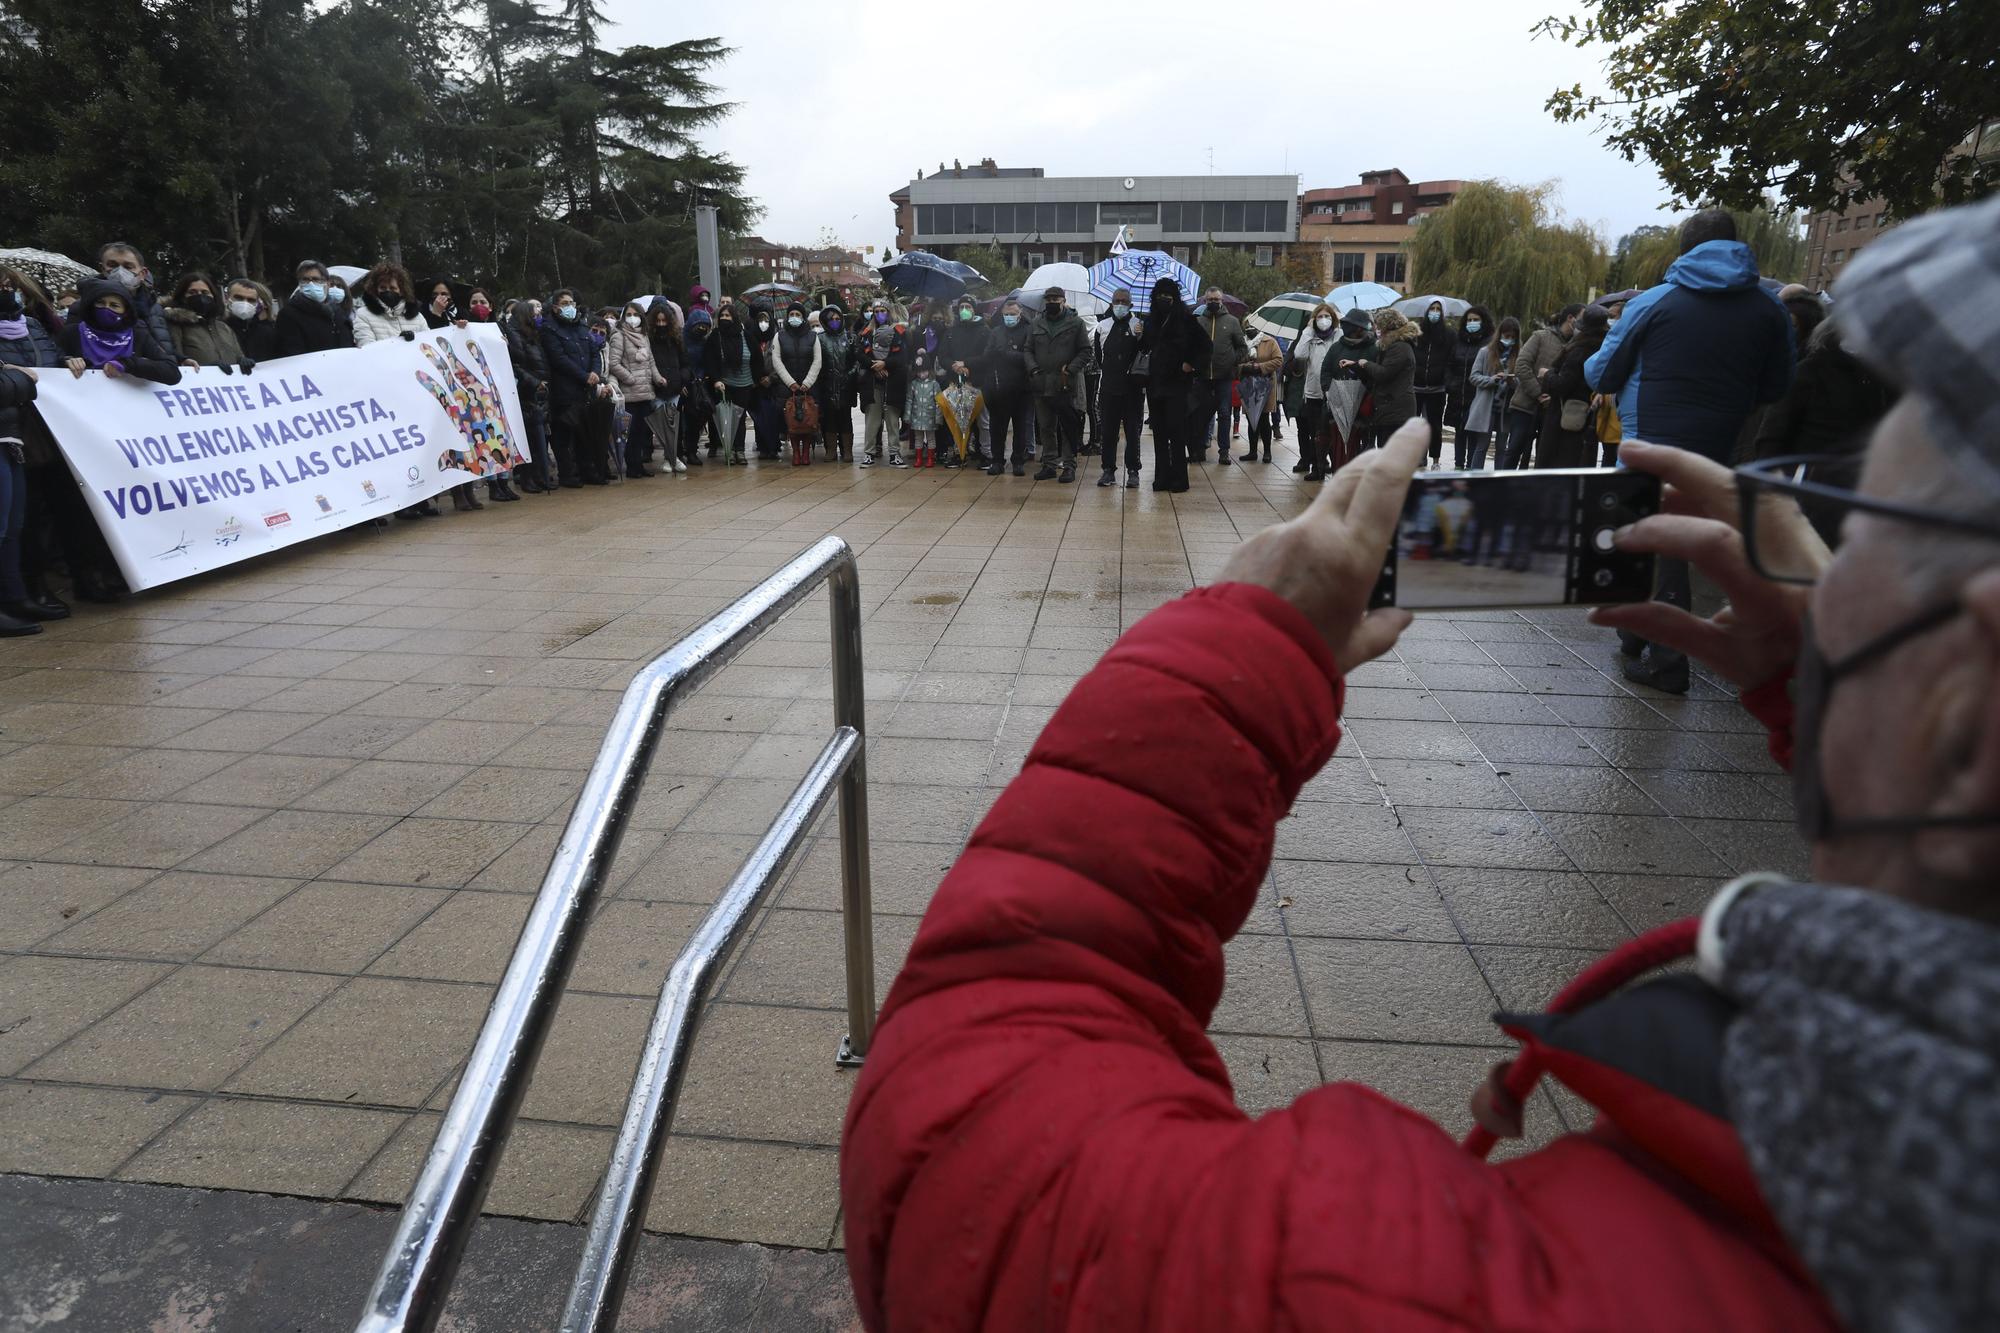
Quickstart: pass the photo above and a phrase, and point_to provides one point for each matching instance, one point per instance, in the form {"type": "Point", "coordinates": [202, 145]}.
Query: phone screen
{"type": "Point", "coordinates": [1518, 539]}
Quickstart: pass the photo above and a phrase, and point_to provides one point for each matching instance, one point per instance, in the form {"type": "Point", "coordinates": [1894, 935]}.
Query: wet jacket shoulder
{"type": "Point", "coordinates": [1391, 376]}
{"type": "Point", "coordinates": [1006, 366]}
{"type": "Point", "coordinates": [257, 337]}
{"type": "Point", "coordinates": [206, 342]}
{"type": "Point", "coordinates": [1691, 358]}
{"type": "Point", "coordinates": [967, 340]}
{"type": "Point", "coordinates": [152, 313]}
{"type": "Point", "coordinates": [629, 353]}
{"type": "Point", "coordinates": [1537, 354]}
{"type": "Point", "coordinates": [1057, 351]}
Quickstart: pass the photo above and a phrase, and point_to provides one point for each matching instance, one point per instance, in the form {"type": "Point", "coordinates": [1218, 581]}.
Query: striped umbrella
{"type": "Point", "coordinates": [1362, 296]}
{"type": "Point", "coordinates": [1285, 316]}
{"type": "Point", "coordinates": [1136, 271]}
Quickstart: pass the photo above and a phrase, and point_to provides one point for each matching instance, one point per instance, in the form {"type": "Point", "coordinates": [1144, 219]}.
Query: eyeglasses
{"type": "Point", "coordinates": [1772, 494]}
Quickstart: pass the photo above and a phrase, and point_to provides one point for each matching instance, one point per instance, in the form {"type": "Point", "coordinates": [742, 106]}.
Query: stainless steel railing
{"type": "Point", "coordinates": [416, 1275]}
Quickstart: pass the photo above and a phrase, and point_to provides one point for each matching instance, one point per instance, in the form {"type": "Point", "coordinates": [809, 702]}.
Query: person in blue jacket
{"type": "Point", "coordinates": [1688, 363]}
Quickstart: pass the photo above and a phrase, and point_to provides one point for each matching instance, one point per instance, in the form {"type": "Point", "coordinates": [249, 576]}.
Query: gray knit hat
{"type": "Point", "coordinates": [1922, 305]}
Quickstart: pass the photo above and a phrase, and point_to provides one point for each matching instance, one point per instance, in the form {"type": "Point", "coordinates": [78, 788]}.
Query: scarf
{"type": "Point", "coordinates": [14, 328]}
{"type": "Point", "coordinates": [99, 347]}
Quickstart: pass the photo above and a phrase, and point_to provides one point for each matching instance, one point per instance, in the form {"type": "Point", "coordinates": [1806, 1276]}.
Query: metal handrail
{"type": "Point", "coordinates": [416, 1275]}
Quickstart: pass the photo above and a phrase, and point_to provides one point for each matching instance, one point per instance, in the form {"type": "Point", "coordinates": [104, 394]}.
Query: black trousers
{"type": "Point", "coordinates": [1312, 448]}
{"type": "Point", "coordinates": [1168, 407]}
{"type": "Point", "coordinates": [1431, 407]}
{"type": "Point", "coordinates": [1002, 411]}
{"type": "Point", "coordinates": [1124, 411]}
{"type": "Point", "coordinates": [1522, 427]}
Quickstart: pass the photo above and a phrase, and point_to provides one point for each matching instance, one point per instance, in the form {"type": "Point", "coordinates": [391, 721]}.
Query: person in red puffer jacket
{"type": "Point", "coordinates": [1796, 1136]}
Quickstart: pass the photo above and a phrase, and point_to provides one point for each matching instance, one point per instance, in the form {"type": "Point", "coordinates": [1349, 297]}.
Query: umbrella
{"type": "Point", "coordinates": [1362, 296]}
{"type": "Point", "coordinates": [49, 269]}
{"type": "Point", "coordinates": [1074, 279]}
{"type": "Point", "coordinates": [347, 273]}
{"type": "Point", "coordinates": [1417, 305]}
{"type": "Point", "coordinates": [1136, 271]}
{"type": "Point", "coordinates": [646, 303]}
{"type": "Point", "coordinates": [1235, 305]}
{"type": "Point", "coordinates": [920, 273]}
{"type": "Point", "coordinates": [1614, 298]}
{"type": "Point", "coordinates": [1285, 316]}
{"type": "Point", "coordinates": [773, 288]}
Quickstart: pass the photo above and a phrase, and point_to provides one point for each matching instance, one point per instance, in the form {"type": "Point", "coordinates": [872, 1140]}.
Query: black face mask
{"type": "Point", "coordinates": [10, 304]}
{"type": "Point", "coordinates": [202, 304]}
{"type": "Point", "coordinates": [1813, 682]}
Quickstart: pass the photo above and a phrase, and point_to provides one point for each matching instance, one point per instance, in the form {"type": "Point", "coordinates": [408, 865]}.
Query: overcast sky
{"type": "Point", "coordinates": [839, 102]}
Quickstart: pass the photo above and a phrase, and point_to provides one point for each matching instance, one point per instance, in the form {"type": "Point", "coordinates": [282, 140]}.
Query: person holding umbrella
{"type": "Point", "coordinates": [1058, 350]}
{"type": "Point", "coordinates": [1228, 350]}
{"type": "Point", "coordinates": [1177, 351]}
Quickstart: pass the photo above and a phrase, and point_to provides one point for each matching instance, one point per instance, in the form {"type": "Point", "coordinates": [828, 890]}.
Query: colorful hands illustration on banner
{"type": "Point", "coordinates": [474, 406]}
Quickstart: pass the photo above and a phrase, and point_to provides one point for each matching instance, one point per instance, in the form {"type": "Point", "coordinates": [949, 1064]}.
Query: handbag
{"type": "Point", "coordinates": [1610, 429]}
{"type": "Point", "coordinates": [1575, 412]}
{"type": "Point", "coordinates": [801, 414]}
{"type": "Point", "coordinates": [1142, 366]}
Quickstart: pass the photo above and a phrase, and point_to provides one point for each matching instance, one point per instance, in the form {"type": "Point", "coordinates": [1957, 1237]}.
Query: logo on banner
{"type": "Point", "coordinates": [325, 505]}
{"type": "Point", "coordinates": [276, 519]}
{"type": "Point", "coordinates": [230, 533]}
{"type": "Point", "coordinates": [178, 548]}
{"type": "Point", "coordinates": [414, 475]}
{"type": "Point", "coordinates": [368, 489]}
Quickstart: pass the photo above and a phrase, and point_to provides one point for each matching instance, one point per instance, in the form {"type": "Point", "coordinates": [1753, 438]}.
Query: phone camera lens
{"type": "Point", "coordinates": [1602, 578]}
{"type": "Point", "coordinates": [1608, 500]}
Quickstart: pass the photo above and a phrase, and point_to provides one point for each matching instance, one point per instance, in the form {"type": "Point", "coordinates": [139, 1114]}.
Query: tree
{"type": "Point", "coordinates": [1503, 247]}
{"type": "Point", "coordinates": [1231, 270]}
{"type": "Point", "coordinates": [1821, 101]}
{"type": "Point", "coordinates": [1775, 236]}
{"type": "Point", "coordinates": [991, 261]}
{"type": "Point", "coordinates": [1304, 268]}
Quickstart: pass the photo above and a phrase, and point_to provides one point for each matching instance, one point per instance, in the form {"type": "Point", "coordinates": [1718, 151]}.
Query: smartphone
{"type": "Point", "coordinates": [1487, 540]}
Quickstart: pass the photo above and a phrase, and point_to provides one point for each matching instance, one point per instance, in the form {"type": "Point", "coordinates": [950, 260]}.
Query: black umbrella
{"type": "Point", "coordinates": [919, 273]}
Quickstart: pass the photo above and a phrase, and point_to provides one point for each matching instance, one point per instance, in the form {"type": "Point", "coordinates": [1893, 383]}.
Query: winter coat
{"type": "Point", "coordinates": [17, 391]}
{"type": "Point", "coordinates": [571, 361]}
{"type": "Point", "coordinates": [1390, 377]}
{"type": "Point", "coordinates": [1556, 447]}
{"type": "Point", "coordinates": [375, 322]}
{"type": "Point", "coordinates": [798, 358]}
{"type": "Point", "coordinates": [1833, 404]}
{"type": "Point", "coordinates": [148, 360]}
{"type": "Point", "coordinates": [36, 348]}
{"type": "Point", "coordinates": [1045, 1136]}
{"type": "Point", "coordinates": [1174, 340]}
{"type": "Point", "coordinates": [147, 303]}
{"type": "Point", "coordinates": [1459, 388]}
{"type": "Point", "coordinates": [257, 337]}
{"type": "Point", "coordinates": [669, 353]}
{"type": "Point", "coordinates": [1057, 351]}
{"type": "Point", "coordinates": [883, 343]}
{"type": "Point", "coordinates": [1006, 363]}
{"type": "Point", "coordinates": [926, 347]}
{"type": "Point", "coordinates": [1306, 374]}
{"type": "Point", "coordinates": [1691, 358]}
{"type": "Point", "coordinates": [967, 340]}
{"type": "Point", "coordinates": [1487, 382]}
{"type": "Point", "coordinates": [206, 342]}
{"type": "Point", "coordinates": [305, 325]}
{"type": "Point", "coordinates": [1537, 354]}
{"type": "Point", "coordinates": [629, 353]}
{"type": "Point", "coordinates": [1228, 348]}
{"type": "Point", "coordinates": [531, 365]}
{"type": "Point", "coordinates": [835, 390]}
{"type": "Point", "coordinates": [1114, 346]}
{"type": "Point", "coordinates": [1364, 354]}
{"type": "Point", "coordinates": [1433, 348]}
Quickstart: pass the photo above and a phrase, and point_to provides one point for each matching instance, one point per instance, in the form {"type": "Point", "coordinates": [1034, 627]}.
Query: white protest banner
{"type": "Point", "coordinates": [220, 468]}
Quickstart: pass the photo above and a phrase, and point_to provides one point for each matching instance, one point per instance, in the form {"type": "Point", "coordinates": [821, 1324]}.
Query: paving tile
{"type": "Point", "coordinates": [1646, 901]}
{"type": "Point", "coordinates": [152, 775]}
{"type": "Point", "coordinates": [1713, 795]}
{"type": "Point", "coordinates": [763, 1073]}
{"type": "Point", "coordinates": [176, 916]}
{"type": "Point", "coordinates": [799, 958]}
{"type": "Point", "coordinates": [1632, 844]}
{"type": "Point", "coordinates": [1359, 901]}
{"type": "Point", "coordinates": [160, 835]}
{"type": "Point", "coordinates": [1500, 838]}
{"type": "Point", "coordinates": [1577, 788]}
{"type": "Point", "coordinates": [45, 1001]}
{"type": "Point", "coordinates": [585, 1073]}
{"type": "Point", "coordinates": [271, 780]}
{"type": "Point", "coordinates": [1437, 1081]}
{"type": "Point", "coordinates": [190, 1031]}
{"type": "Point", "coordinates": [37, 768]}
{"type": "Point", "coordinates": [1387, 990]}
{"type": "Point", "coordinates": [39, 825]}
{"type": "Point", "coordinates": [40, 899]}
{"type": "Point", "coordinates": [438, 853]}
{"type": "Point", "coordinates": [299, 844]}
{"type": "Point", "coordinates": [1317, 831]}
{"type": "Point", "coordinates": [383, 787]}
{"type": "Point", "coordinates": [1505, 744]}
{"type": "Point", "coordinates": [1467, 783]}
{"type": "Point", "coordinates": [1268, 1072]}
{"type": "Point", "coordinates": [1493, 906]}
{"type": "Point", "coordinates": [1262, 995]}
{"type": "Point", "coordinates": [1411, 740]}
{"type": "Point", "coordinates": [903, 876]}
{"type": "Point", "coordinates": [64, 1131]}
{"type": "Point", "coordinates": [378, 1041]}
{"type": "Point", "coordinates": [328, 927]}
{"type": "Point", "coordinates": [777, 1194]}
{"type": "Point", "coordinates": [274, 1147]}
{"type": "Point", "coordinates": [548, 1172]}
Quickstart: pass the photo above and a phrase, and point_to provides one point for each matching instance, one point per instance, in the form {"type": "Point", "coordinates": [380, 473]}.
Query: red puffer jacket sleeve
{"type": "Point", "coordinates": [1771, 704]}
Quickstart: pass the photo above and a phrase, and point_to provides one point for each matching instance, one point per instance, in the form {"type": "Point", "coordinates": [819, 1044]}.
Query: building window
{"type": "Point", "coordinates": [1322, 210]}
{"type": "Point", "coordinates": [1262, 257]}
{"type": "Point", "coordinates": [1348, 266]}
{"type": "Point", "coordinates": [1396, 208]}
{"type": "Point", "coordinates": [1127, 215]}
{"type": "Point", "coordinates": [1035, 260]}
{"type": "Point", "coordinates": [1840, 225]}
{"type": "Point", "coordinates": [1180, 253]}
{"type": "Point", "coordinates": [1838, 255]}
{"type": "Point", "coordinates": [1392, 267]}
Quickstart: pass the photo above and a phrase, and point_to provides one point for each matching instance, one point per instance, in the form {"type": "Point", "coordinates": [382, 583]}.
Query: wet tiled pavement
{"type": "Point", "coordinates": [269, 834]}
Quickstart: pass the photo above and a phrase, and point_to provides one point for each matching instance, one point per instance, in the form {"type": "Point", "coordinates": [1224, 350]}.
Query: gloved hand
{"type": "Point", "coordinates": [408, 336]}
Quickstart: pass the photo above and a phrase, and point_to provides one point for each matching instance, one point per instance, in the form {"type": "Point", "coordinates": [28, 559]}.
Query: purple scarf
{"type": "Point", "coordinates": [15, 328]}
{"type": "Point", "coordinates": [100, 347]}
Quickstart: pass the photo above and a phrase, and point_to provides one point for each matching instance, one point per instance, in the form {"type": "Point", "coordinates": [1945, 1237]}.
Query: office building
{"type": "Point", "coordinates": [1360, 233]}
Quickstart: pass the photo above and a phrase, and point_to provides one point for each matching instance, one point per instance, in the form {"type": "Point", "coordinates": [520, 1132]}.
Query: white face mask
{"type": "Point", "coordinates": [796, 321]}
{"type": "Point", "coordinates": [1323, 324]}
{"type": "Point", "coordinates": [631, 321]}
{"type": "Point", "coordinates": [243, 309]}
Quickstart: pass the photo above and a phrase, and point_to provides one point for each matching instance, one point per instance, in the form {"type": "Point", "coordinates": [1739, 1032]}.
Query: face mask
{"type": "Point", "coordinates": [202, 304]}
{"type": "Point", "coordinates": [1010, 320]}
{"type": "Point", "coordinates": [1323, 324]}
{"type": "Point", "coordinates": [106, 318]}
{"type": "Point", "coordinates": [763, 326]}
{"type": "Point", "coordinates": [1433, 316]}
{"type": "Point", "coordinates": [1813, 682]}
{"type": "Point", "coordinates": [966, 314]}
{"type": "Point", "coordinates": [1120, 311]}
{"type": "Point", "coordinates": [1163, 302]}
{"type": "Point", "coordinates": [1215, 307]}
{"type": "Point", "coordinates": [833, 325]}
{"type": "Point", "coordinates": [313, 291]}
{"type": "Point", "coordinates": [10, 304]}
{"type": "Point", "coordinates": [1473, 326]}
{"type": "Point", "coordinates": [881, 317]}
{"type": "Point", "coordinates": [389, 299]}
{"type": "Point", "coordinates": [125, 278]}
{"type": "Point", "coordinates": [796, 321]}
{"type": "Point", "coordinates": [632, 321]}
{"type": "Point", "coordinates": [243, 310]}
{"type": "Point", "coordinates": [566, 311]}
{"type": "Point", "coordinates": [1506, 342]}
{"type": "Point", "coordinates": [336, 293]}
{"type": "Point", "coordinates": [1053, 310]}
{"type": "Point", "coordinates": [481, 309]}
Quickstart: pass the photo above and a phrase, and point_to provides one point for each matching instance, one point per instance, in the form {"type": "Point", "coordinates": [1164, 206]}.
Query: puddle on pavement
{"type": "Point", "coordinates": [935, 599]}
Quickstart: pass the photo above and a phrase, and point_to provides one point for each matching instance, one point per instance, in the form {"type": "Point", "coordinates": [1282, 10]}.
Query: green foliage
{"type": "Point", "coordinates": [1233, 271]}
{"type": "Point", "coordinates": [1503, 247]}
{"type": "Point", "coordinates": [1820, 101]}
{"type": "Point", "coordinates": [1304, 270]}
{"type": "Point", "coordinates": [492, 140]}
{"type": "Point", "coordinates": [990, 260]}
{"type": "Point", "coordinates": [1775, 235]}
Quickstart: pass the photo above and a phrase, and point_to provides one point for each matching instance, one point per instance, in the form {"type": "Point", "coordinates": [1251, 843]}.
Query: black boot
{"type": "Point", "coordinates": [17, 627]}
{"type": "Point", "coordinates": [1671, 678]}
{"type": "Point", "coordinates": [499, 491]}
{"type": "Point", "coordinates": [32, 607]}
{"type": "Point", "coordinates": [1131, 479]}
{"type": "Point", "coordinates": [1110, 477]}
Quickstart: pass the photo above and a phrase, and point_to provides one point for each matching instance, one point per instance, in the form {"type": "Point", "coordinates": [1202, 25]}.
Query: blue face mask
{"type": "Point", "coordinates": [313, 291]}
{"type": "Point", "coordinates": [1506, 342]}
{"type": "Point", "coordinates": [566, 311]}
{"type": "Point", "coordinates": [1010, 320]}
{"type": "Point", "coordinates": [1473, 326]}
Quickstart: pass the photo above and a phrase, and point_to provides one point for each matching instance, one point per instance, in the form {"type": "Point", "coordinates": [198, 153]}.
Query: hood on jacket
{"type": "Point", "coordinates": [1393, 327]}
{"type": "Point", "coordinates": [178, 314]}
{"type": "Point", "coordinates": [1862, 1073]}
{"type": "Point", "coordinates": [1715, 266]}
{"type": "Point", "coordinates": [1485, 318]}
{"type": "Point", "coordinates": [91, 290]}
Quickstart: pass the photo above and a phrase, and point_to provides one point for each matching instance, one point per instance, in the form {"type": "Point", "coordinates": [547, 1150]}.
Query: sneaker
{"type": "Point", "coordinates": [1630, 644]}
{"type": "Point", "coordinates": [1222, 457]}
{"type": "Point", "coordinates": [995, 470]}
{"type": "Point", "coordinates": [1131, 479]}
{"type": "Point", "coordinates": [1020, 470]}
{"type": "Point", "coordinates": [869, 460]}
{"type": "Point", "coordinates": [1067, 475]}
{"type": "Point", "coordinates": [1047, 473]}
{"type": "Point", "coordinates": [1110, 478]}
{"type": "Point", "coordinates": [896, 459]}
{"type": "Point", "coordinates": [1669, 679]}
